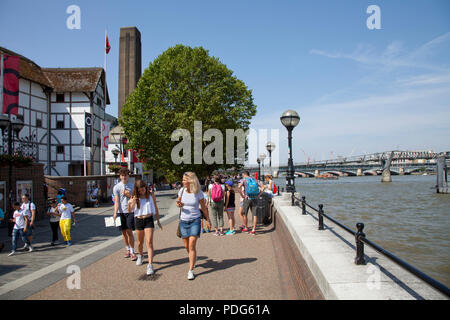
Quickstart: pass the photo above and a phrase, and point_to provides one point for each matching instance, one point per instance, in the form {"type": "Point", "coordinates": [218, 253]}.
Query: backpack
{"type": "Point", "coordinates": [216, 193]}
{"type": "Point", "coordinates": [252, 188]}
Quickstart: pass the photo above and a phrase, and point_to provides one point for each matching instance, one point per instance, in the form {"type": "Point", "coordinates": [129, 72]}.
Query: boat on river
{"type": "Point", "coordinates": [327, 176]}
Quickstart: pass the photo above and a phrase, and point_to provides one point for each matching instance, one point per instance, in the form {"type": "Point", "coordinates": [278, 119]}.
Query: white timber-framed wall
{"type": "Point", "coordinates": [68, 138]}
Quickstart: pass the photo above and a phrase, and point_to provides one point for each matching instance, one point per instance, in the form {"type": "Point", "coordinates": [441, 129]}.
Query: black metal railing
{"type": "Point", "coordinates": [360, 239]}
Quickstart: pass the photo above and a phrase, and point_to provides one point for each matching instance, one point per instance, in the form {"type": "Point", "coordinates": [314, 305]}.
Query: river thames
{"type": "Point", "coordinates": [406, 217]}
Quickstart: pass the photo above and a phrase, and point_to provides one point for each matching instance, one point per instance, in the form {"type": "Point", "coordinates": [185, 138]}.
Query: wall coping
{"type": "Point", "coordinates": [330, 255]}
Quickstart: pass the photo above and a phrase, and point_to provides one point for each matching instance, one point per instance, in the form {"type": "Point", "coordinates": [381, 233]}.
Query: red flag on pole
{"type": "Point", "coordinates": [107, 46]}
{"type": "Point", "coordinates": [11, 84]}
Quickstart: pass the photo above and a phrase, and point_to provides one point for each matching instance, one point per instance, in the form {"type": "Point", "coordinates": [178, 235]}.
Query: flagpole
{"type": "Point", "coordinates": [84, 144]}
{"type": "Point", "coordinates": [104, 99]}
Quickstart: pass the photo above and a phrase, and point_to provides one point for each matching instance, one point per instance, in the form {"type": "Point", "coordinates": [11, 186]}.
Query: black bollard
{"type": "Point", "coordinates": [321, 217]}
{"type": "Point", "coordinates": [359, 260]}
{"type": "Point", "coordinates": [303, 205]}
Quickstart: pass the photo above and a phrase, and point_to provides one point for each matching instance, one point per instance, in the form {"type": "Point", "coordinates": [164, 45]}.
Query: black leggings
{"type": "Point", "coordinates": [55, 227]}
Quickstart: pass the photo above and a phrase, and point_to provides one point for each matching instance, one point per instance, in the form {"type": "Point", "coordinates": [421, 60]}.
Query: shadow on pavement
{"type": "Point", "coordinates": [10, 268]}
{"type": "Point", "coordinates": [224, 264]}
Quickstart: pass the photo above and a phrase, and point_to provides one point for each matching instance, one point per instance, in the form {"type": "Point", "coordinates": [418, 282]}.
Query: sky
{"type": "Point", "coordinates": [357, 90]}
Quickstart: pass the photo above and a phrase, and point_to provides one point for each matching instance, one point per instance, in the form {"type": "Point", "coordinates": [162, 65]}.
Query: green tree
{"type": "Point", "coordinates": [181, 86]}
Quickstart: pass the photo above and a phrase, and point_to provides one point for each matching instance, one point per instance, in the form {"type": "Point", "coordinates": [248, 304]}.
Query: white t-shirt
{"type": "Point", "coordinates": [27, 207]}
{"type": "Point", "coordinates": [66, 210]}
{"type": "Point", "coordinates": [146, 207]}
{"type": "Point", "coordinates": [95, 192]}
{"type": "Point", "coordinates": [53, 218]}
{"type": "Point", "coordinates": [19, 215]}
{"type": "Point", "coordinates": [191, 208]}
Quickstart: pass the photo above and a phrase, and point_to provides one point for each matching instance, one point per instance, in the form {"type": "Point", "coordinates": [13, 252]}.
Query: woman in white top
{"type": "Point", "coordinates": [143, 204]}
{"type": "Point", "coordinates": [268, 188]}
{"type": "Point", "coordinates": [190, 200]}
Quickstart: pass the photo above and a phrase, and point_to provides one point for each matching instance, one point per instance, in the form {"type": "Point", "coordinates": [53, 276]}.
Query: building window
{"type": "Point", "coordinates": [60, 97]}
{"type": "Point", "coordinates": [39, 123]}
{"type": "Point", "coordinates": [59, 149]}
{"type": "Point", "coordinates": [60, 124]}
{"type": "Point", "coordinates": [99, 142]}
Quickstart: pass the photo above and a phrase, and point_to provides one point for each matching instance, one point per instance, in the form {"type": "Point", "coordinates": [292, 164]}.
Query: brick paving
{"type": "Point", "coordinates": [241, 266]}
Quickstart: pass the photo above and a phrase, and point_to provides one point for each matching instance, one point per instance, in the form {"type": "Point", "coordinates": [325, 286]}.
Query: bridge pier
{"type": "Point", "coordinates": [441, 173]}
{"type": "Point", "coordinates": [401, 171]}
{"type": "Point", "coordinates": [386, 176]}
{"type": "Point", "coordinates": [359, 172]}
{"type": "Point", "coordinates": [316, 173]}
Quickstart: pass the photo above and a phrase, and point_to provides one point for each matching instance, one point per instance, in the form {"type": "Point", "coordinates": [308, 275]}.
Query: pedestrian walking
{"type": "Point", "coordinates": [20, 219]}
{"type": "Point", "coordinates": [230, 206]}
{"type": "Point", "coordinates": [29, 209]}
{"type": "Point", "coordinates": [122, 194]}
{"type": "Point", "coordinates": [94, 195]}
{"type": "Point", "coordinates": [204, 221]}
{"type": "Point", "coordinates": [216, 193]}
{"type": "Point", "coordinates": [143, 204]}
{"type": "Point", "coordinates": [55, 217]}
{"type": "Point", "coordinates": [190, 199]}
{"type": "Point", "coordinates": [66, 219]}
{"type": "Point", "coordinates": [250, 190]}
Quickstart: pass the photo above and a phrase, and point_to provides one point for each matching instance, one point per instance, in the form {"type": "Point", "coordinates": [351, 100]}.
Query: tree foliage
{"type": "Point", "coordinates": [181, 86]}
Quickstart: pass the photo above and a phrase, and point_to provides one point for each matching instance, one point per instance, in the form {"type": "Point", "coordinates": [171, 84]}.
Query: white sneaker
{"type": "Point", "coordinates": [25, 246]}
{"type": "Point", "coordinates": [11, 254]}
{"type": "Point", "coordinates": [150, 270]}
{"type": "Point", "coordinates": [139, 260]}
{"type": "Point", "coordinates": [191, 275]}
{"type": "Point", "coordinates": [30, 249]}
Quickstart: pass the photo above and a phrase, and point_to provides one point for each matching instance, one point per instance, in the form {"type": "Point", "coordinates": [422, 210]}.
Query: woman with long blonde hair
{"type": "Point", "coordinates": [190, 200]}
{"type": "Point", "coordinates": [143, 203]}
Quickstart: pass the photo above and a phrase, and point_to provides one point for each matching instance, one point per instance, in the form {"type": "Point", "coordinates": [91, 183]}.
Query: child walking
{"type": "Point", "coordinates": [67, 216]}
{"type": "Point", "coordinates": [55, 216]}
{"type": "Point", "coordinates": [20, 219]}
{"type": "Point", "coordinates": [230, 206]}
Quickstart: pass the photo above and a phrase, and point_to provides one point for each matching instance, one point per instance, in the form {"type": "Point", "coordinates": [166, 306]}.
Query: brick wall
{"type": "Point", "coordinates": [77, 187]}
{"type": "Point", "coordinates": [35, 173]}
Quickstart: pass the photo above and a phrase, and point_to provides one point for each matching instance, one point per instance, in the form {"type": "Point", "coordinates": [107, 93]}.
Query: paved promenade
{"type": "Point", "coordinates": [241, 266]}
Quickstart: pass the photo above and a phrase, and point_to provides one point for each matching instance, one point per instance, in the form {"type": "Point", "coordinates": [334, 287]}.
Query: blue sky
{"type": "Point", "coordinates": [356, 90]}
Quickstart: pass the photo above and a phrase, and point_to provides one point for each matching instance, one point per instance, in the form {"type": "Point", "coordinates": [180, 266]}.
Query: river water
{"type": "Point", "coordinates": [406, 217]}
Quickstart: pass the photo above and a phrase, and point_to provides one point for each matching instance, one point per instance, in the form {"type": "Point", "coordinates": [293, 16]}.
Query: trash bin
{"type": "Point", "coordinates": [263, 211]}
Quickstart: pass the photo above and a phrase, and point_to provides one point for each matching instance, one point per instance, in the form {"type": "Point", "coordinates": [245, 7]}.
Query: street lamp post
{"type": "Point", "coordinates": [262, 156]}
{"type": "Point", "coordinates": [290, 120]}
{"type": "Point", "coordinates": [259, 168]}
{"type": "Point", "coordinates": [270, 146]}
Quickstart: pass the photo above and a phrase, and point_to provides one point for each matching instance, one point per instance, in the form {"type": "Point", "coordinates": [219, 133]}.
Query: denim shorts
{"type": "Point", "coordinates": [190, 228]}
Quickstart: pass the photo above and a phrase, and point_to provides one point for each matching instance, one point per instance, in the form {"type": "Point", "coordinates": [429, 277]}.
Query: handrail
{"type": "Point", "coordinates": [361, 238]}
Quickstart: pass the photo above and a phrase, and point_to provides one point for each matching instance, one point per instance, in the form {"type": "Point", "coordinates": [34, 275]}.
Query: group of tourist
{"type": "Point", "coordinates": [23, 220]}
{"type": "Point", "coordinates": [137, 208]}
{"type": "Point", "coordinates": [135, 204]}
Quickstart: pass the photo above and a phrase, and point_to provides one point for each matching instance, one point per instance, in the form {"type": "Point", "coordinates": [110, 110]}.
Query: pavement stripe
{"type": "Point", "coordinates": [60, 264]}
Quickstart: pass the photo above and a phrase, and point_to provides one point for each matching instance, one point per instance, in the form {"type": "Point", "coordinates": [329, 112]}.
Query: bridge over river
{"type": "Point", "coordinates": [403, 163]}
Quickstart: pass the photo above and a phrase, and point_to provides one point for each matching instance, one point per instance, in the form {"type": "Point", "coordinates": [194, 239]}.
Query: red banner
{"type": "Point", "coordinates": [11, 84]}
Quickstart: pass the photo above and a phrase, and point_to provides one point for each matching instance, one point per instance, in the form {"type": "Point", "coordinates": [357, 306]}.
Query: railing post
{"type": "Point", "coordinates": [321, 217]}
{"type": "Point", "coordinates": [303, 205]}
{"type": "Point", "coordinates": [359, 244]}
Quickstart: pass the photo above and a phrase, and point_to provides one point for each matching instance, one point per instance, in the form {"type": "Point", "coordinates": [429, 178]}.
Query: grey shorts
{"type": "Point", "coordinates": [250, 204]}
